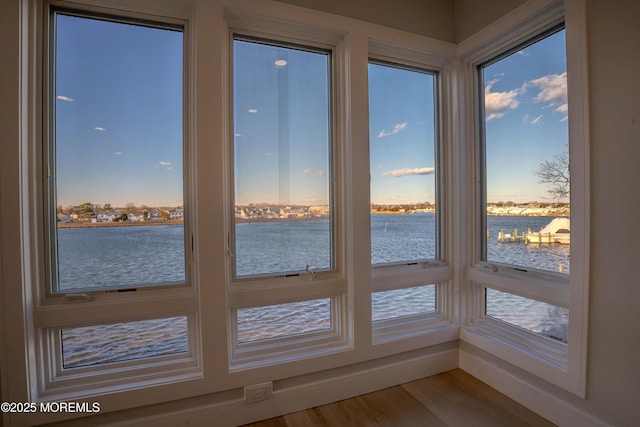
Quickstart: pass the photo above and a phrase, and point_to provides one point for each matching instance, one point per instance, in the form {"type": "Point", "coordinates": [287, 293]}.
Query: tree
{"type": "Point", "coordinates": [84, 208]}
{"type": "Point", "coordinates": [556, 173]}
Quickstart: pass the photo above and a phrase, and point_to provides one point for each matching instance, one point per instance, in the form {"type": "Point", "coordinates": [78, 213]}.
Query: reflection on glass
{"type": "Point", "coordinates": [526, 157]}
{"type": "Point", "coordinates": [119, 342]}
{"type": "Point", "coordinates": [117, 155]}
{"type": "Point", "coordinates": [402, 163]}
{"type": "Point", "coordinates": [536, 316]}
{"type": "Point", "coordinates": [282, 167]}
{"type": "Point", "coordinates": [403, 302]}
{"type": "Point", "coordinates": [260, 323]}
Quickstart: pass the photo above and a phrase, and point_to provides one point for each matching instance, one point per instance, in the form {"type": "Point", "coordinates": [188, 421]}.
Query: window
{"type": "Point", "coordinates": [405, 173]}
{"type": "Point", "coordinates": [114, 205]}
{"type": "Point", "coordinates": [528, 276]}
{"type": "Point", "coordinates": [282, 160]}
{"type": "Point", "coordinates": [526, 209]}
{"type": "Point", "coordinates": [526, 162]}
{"type": "Point", "coordinates": [283, 250]}
{"type": "Point", "coordinates": [402, 129]}
{"type": "Point", "coordinates": [116, 152]}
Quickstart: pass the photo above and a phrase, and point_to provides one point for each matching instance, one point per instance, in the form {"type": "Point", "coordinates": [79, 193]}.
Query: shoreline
{"type": "Point", "coordinates": [556, 213]}
{"type": "Point", "coordinates": [116, 224]}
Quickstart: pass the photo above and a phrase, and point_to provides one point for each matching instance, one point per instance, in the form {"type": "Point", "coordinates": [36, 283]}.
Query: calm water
{"type": "Point", "coordinates": [150, 254]}
{"type": "Point", "coordinates": [134, 256]}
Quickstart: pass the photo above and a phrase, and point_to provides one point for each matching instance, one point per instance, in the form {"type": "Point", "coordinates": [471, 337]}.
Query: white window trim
{"type": "Point", "coordinates": [436, 271]}
{"type": "Point", "coordinates": [49, 313]}
{"type": "Point", "coordinates": [266, 290]}
{"type": "Point", "coordinates": [505, 341]}
{"type": "Point", "coordinates": [207, 301]}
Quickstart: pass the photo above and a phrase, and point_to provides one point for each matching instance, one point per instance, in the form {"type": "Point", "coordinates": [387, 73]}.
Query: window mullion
{"type": "Point", "coordinates": [354, 134]}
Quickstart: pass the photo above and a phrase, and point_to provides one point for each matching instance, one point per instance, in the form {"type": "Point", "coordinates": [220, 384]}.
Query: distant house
{"type": "Point", "coordinates": [108, 216]}
{"type": "Point", "coordinates": [177, 213]}
{"type": "Point", "coordinates": [135, 217]}
{"type": "Point", "coordinates": [155, 214]}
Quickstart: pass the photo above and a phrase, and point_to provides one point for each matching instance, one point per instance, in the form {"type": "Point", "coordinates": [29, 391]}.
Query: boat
{"type": "Point", "coordinates": [557, 231]}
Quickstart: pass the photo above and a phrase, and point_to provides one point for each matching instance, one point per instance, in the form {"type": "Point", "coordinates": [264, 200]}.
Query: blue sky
{"type": "Point", "coordinates": [401, 135]}
{"type": "Point", "coordinates": [118, 113]}
{"type": "Point", "coordinates": [525, 118]}
{"type": "Point", "coordinates": [281, 128]}
{"type": "Point", "coordinates": [119, 120]}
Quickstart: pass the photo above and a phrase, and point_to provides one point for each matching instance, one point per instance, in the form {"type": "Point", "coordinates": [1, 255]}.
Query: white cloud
{"type": "Point", "coordinates": [319, 172]}
{"type": "Point", "coordinates": [396, 129]}
{"type": "Point", "coordinates": [536, 120]}
{"type": "Point", "coordinates": [399, 127]}
{"type": "Point", "coordinates": [118, 152]}
{"type": "Point", "coordinates": [564, 119]}
{"type": "Point", "coordinates": [306, 171]}
{"type": "Point", "coordinates": [252, 110]}
{"type": "Point", "coordinates": [553, 89]}
{"type": "Point", "coordinates": [496, 104]}
{"type": "Point", "coordinates": [65, 98]}
{"type": "Point", "coordinates": [99, 129]}
{"type": "Point", "coordinates": [167, 165]}
{"type": "Point", "coordinates": [397, 173]}
{"type": "Point", "coordinates": [562, 108]}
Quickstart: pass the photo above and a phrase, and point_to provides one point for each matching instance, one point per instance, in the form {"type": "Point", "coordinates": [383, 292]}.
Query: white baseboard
{"type": "Point", "coordinates": [307, 395]}
{"type": "Point", "coordinates": [540, 401]}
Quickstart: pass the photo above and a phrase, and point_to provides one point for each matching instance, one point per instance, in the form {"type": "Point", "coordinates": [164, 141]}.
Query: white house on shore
{"type": "Point", "coordinates": [177, 213]}
{"type": "Point", "coordinates": [155, 214]}
{"type": "Point", "coordinates": [108, 216]}
{"type": "Point", "coordinates": [135, 217]}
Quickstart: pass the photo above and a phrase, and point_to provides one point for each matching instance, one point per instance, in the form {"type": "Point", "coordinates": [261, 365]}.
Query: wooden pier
{"type": "Point", "coordinates": [528, 237]}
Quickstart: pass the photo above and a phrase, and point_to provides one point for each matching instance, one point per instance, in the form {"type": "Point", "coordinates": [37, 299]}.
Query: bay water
{"type": "Point", "coordinates": [110, 257]}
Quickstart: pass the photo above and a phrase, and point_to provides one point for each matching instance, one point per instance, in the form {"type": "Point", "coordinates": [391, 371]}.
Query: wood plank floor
{"type": "Point", "coordinates": [453, 398]}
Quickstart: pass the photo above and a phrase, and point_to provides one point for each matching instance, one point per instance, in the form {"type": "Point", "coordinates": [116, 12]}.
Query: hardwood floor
{"type": "Point", "coordinates": [453, 398]}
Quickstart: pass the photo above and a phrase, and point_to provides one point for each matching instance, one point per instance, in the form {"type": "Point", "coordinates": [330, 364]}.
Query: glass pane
{"type": "Point", "coordinates": [118, 342]}
{"type": "Point", "coordinates": [536, 316]}
{"type": "Point", "coordinates": [118, 155]}
{"type": "Point", "coordinates": [402, 162]}
{"type": "Point", "coordinates": [282, 168]}
{"type": "Point", "coordinates": [281, 320]}
{"type": "Point", "coordinates": [403, 302]}
{"type": "Point", "coordinates": [527, 158]}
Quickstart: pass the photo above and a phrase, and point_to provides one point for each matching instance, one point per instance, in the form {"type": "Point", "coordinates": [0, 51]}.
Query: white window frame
{"type": "Point", "coordinates": [49, 312]}
{"type": "Point", "coordinates": [436, 271]}
{"type": "Point", "coordinates": [210, 299]}
{"type": "Point", "coordinates": [562, 365]}
{"type": "Point", "coordinates": [273, 289]}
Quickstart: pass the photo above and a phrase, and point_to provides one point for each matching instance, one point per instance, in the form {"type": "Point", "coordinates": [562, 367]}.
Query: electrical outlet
{"type": "Point", "coordinates": [258, 392]}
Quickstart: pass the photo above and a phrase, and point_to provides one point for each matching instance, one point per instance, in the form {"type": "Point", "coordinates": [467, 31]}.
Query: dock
{"type": "Point", "coordinates": [527, 237]}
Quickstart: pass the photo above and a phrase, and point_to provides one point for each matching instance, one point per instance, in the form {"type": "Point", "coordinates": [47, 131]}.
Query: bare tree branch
{"type": "Point", "coordinates": [556, 173]}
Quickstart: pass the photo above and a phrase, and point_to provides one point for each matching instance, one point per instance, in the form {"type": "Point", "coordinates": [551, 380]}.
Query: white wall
{"type": "Point", "coordinates": [470, 16]}
{"type": "Point", "coordinates": [614, 336]}
{"type": "Point", "coordinates": [430, 18]}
